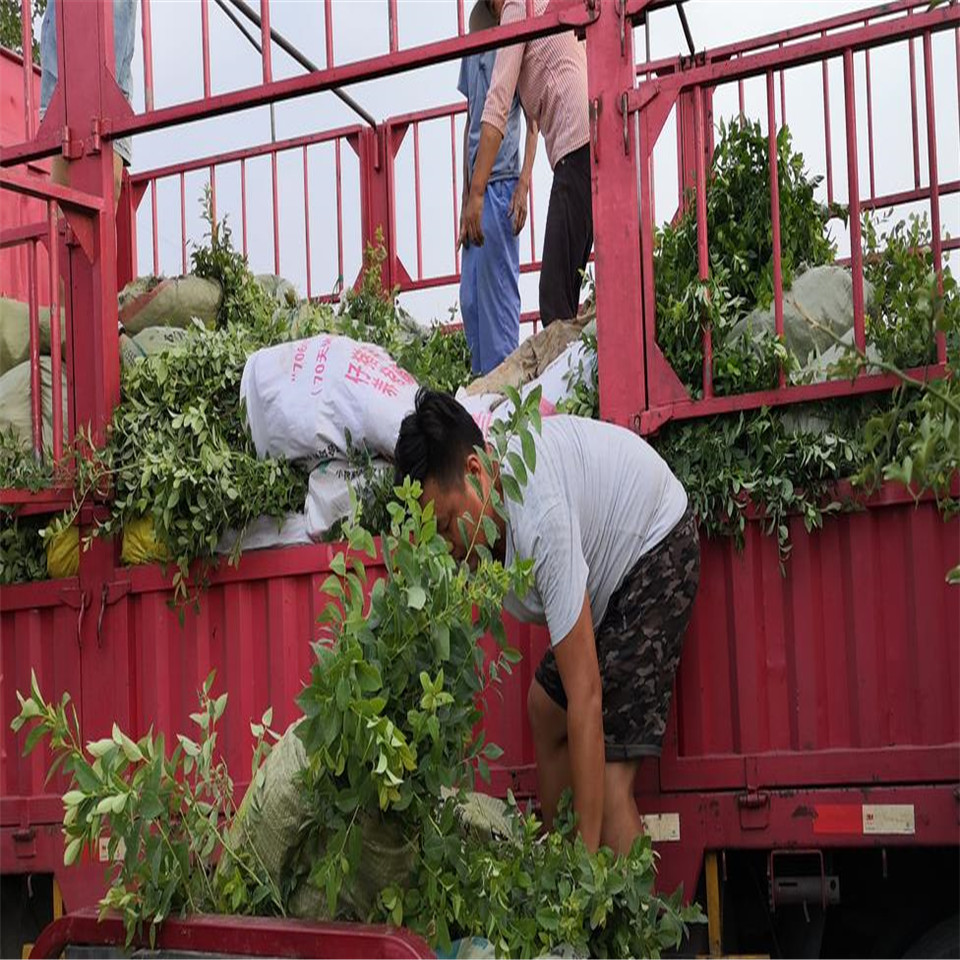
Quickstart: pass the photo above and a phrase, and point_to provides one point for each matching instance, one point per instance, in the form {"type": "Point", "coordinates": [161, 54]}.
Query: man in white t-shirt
{"type": "Point", "coordinates": [616, 565]}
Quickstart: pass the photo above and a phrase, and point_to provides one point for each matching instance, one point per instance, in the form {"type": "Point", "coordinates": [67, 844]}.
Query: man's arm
{"type": "Point", "coordinates": [496, 109]}
{"type": "Point", "coordinates": [518, 203]}
{"type": "Point", "coordinates": [576, 657]}
{"type": "Point", "coordinates": [466, 165]}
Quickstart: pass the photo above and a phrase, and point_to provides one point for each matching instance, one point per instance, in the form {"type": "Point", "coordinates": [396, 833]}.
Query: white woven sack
{"type": "Point", "coordinates": [304, 398]}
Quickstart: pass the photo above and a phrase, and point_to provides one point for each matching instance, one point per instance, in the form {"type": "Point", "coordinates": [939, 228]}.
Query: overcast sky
{"type": "Point", "coordinates": [360, 30]}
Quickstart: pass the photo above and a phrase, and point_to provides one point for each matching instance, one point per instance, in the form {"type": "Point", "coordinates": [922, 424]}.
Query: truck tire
{"type": "Point", "coordinates": [939, 943]}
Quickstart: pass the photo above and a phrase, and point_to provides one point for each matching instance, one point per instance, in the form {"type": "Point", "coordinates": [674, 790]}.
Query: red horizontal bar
{"type": "Point", "coordinates": [51, 500]}
{"type": "Point", "coordinates": [792, 33]}
{"type": "Point", "coordinates": [433, 113]}
{"type": "Point", "coordinates": [909, 196]}
{"type": "Point", "coordinates": [656, 417]}
{"type": "Point", "coordinates": [561, 15]}
{"type": "Point", "coordinates": [17, 235]}
{"type": "Point", "coordinates": [249, 153]}
{"type": "Point", "coordinates": [811, 51]}
{"type": "Point", "coordinates": [47, 190]}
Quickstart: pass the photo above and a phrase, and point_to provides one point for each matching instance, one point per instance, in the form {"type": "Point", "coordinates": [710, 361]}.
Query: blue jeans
{"type": "Point", "coordinates": [124, 40]}
{"type": "Point", "coordinates": [490, 283]}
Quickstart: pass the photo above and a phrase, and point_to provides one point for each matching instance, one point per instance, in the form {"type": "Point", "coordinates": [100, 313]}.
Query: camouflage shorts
{"type": "Point", "coordinates": [639, 643]}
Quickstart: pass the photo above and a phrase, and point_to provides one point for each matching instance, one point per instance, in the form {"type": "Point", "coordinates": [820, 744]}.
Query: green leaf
{"type": "Point", "coordinates": [441, 639]}
{"type": "Point", "coordinates": [72, 851]}
{"type": "Point", "coordinates": [529, 450]}
{"type": "Point", "coordinates": [416, 597]}
{"type": "Point", "coordinates": [511, 488]}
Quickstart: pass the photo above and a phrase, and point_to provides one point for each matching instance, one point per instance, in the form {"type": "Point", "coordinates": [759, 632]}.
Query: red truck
{"type": "Point", "coordinates": [809, 788]}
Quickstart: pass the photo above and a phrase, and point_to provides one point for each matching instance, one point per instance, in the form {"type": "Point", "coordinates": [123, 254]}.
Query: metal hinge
{"type": "Point", "coordinates": [70, 148]}
{"type": "Point", "coordinates": [754, 809]}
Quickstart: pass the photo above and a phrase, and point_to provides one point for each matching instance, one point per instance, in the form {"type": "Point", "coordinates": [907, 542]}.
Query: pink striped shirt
{"type": "Point", "coordinates": [550, 74]}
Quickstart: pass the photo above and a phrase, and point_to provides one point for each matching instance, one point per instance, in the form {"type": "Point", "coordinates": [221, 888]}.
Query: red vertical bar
{"type": "Point", "coordinates": [460, 19]}
{"type": "Point", "coordinates": [680, 177]}
{"type": "Point", "coordinates": [873, 182]}
{"type": "Point", "coordinates": [56, 366]}
{"type": "Point", "coordinates": [913, 114]}
{"type": "Point", "coordinates": [775, 212]}
{"type": "Point", "coordinates": [936, 238]}
{"type": "Point", "coordinates": [783, 96]}
{"type": "Point", "coordinates": [276, 214]}
{"type": "Point", "coordinates": [703, 258]}
{"type": "Point", "coordinates": [183, 224]}
{"type": "Point", "coordinates": [740, 96]}
{"type": "Point", "coordinates": [306, 220]}
{"type": "Point", "coordinates": [416, 193]}
{"type": "Point", "coordinates": [530, 8]}
{"type": "Point", "coordinates": [265, 40]}
{"type": "Point", "coordinates": [328, 30]}
{"type": "Point", "coordinates": [827, 135]}
{"type": "Point", "coordinates": [456, 208]}
{"type": "Point", "coordinates": [392, 13]}
{"type": "Point", "coordinates": [36, 384]}
{"type": "Point", "coordinates": [205, 33]}
{"type": "Point", "coordinates": [213, 192]}
{"type": "Point", "coordinates": [853, 187]}
{"type": "Point", "coordinates": [26, 36]}
{"type": "Point", "coordinates": [153, 217]}
{"type": "Point", "coordinates": [147, 33]}
{"type": "Point", "coordinates": [243, 203]}
{"type": "Point", "coordinates": [339, 218]}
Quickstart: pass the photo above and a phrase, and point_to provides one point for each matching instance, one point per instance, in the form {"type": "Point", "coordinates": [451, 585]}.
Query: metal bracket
{"type": "Point", "coordinates": [625, 113]}
{"type": "Point", "coordinates": [78, 600]}
{"type": "Point", "coordinates": [596, 105]}
{"type": "Point", "coordinates": [25, 842]}
{"type": "Point", "coordinates": [111, 593]}
{"type": "Point", "coordinates": [621, 8]}
{"type": "Point", "coordinates": [754, 810]}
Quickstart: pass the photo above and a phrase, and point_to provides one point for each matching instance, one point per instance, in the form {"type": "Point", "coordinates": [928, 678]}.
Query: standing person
{"type": "Point", "coordinates": [550, 76]}
{"type": "Point", "coordinates": [616, 562]}
{"type": "Point", "coordinates": [490, 269]}
{"type": "Point", "coordinates": [124, 40]}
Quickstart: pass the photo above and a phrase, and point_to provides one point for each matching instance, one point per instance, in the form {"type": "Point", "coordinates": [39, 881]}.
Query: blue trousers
{"type": "Point", "coordinates": [490, 284]}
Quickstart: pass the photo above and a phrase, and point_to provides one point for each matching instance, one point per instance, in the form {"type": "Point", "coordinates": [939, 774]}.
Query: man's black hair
{"type": "Point", "coordinates": [435, 440]}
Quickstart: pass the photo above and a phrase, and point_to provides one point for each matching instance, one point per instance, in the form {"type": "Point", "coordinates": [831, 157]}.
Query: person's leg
{"type": "Point", "coordinates": [546, 708]}
{"type": "Point", "coordinates": [554, 288]}
{"type": "Point", "coordinates": [638, 649]}
{"type": "Point", "coordinates": [469, 260]}
{"type": "Point", "coordinates": [498, 287]}
{"type": "Point", "coordinates": [568, 238]}
{"type": "Point", "coordinates": [621, 819]}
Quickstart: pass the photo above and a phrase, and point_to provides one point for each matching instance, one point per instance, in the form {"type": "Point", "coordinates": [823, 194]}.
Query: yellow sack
{"type": "Point", "coordinates": [63, 554]}
{"type": "Point", "coordinates": [140, 544]}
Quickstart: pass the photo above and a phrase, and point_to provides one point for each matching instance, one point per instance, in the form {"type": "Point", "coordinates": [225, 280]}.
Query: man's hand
{"type": "Point", "coordinates": [518, 205]}
{"type": "Point", "coordinates": [471, 221]}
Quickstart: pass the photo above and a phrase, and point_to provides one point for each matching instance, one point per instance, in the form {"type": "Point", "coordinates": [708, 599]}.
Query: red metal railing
{"type": "Point", "coordinates": [259, 218]}
{"type": "Point", "coordinates": [397, 129]}
{"type": "Point", "coordinates": [690, 88]}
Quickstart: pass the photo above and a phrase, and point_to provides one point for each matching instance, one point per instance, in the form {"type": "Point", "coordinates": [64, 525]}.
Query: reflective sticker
{"type": "Point", "coordinates": [662, 827]}
{"type": "Point", "coordinates": [890, 818]}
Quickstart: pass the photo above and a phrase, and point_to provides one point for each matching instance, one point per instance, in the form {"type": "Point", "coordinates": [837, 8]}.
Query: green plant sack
{"type": "Point", "coordinates": [270, 818]}
{"type": "Point", "coordinates": [15, 406]}
{"type": "Point", "coordinates": [823, 294]}
{"type": "Point", "coordinates": [279, 289]}
{"type": "Point", "coordinates": [150, 341]}
{"type": "Point", "coordinates": [15, 332]}
{"type": "Point", "coordinates": [173, 302]}
{"type": "Point", "coordinates": [532, 357]}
